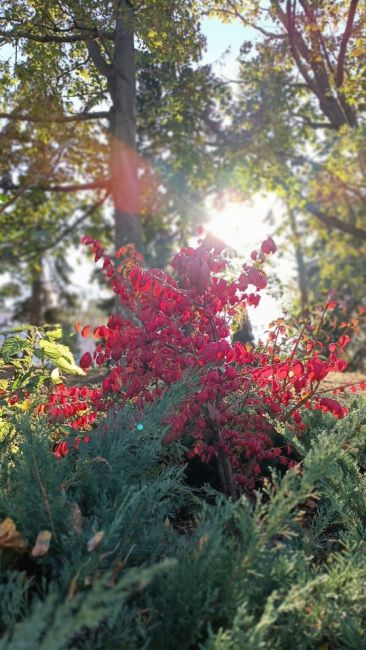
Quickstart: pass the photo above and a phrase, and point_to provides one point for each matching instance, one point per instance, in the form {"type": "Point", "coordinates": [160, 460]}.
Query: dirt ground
{"type": "Point", "coordinates": [338, 379]}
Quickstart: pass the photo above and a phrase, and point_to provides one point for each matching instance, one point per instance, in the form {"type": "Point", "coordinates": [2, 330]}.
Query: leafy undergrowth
{"type": "Point", "coordinates": [110, 548]}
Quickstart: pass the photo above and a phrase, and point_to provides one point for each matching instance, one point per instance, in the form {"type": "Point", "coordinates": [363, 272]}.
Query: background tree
{"type": "Point", "coordinates": [298, 128]}
{"type": "Point", "coordinates": [106, 105]}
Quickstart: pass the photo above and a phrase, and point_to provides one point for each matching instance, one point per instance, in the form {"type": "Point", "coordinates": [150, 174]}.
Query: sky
{"type": "Point", "coordinates": [224, 38]}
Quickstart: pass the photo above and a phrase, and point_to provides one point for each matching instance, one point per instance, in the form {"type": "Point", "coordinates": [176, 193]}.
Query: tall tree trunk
{"type": "Point", "coordinates": [244, 333]}
{"type": "Point", "coordinates": [300, 262]}
{"type": "Point", "coordinates": [123, 158]}
{"type": "Point", "coordinates": [35, 301]}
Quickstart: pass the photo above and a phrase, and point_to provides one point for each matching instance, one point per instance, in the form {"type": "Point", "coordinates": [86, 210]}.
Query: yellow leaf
{"type": "Point", "coordinates": [42, 543]}
{"type": "Point", "coordinates": [9, 536]}
{"type": "Point", "coordinates": [55, 376]}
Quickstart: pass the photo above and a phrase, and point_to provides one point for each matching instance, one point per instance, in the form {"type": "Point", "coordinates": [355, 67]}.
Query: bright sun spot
{"type": "Point", "coordinates": [243, 227]}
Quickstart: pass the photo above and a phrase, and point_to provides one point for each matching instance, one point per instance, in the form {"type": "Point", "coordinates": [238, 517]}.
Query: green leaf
{"type": "Point", "coordinates": [54, 334]}
{"type": "Point", "coordinates": [12, 346]}
{"type": "Point", "coordinates": [55, 376]}
{"type": "Point", "coordinates": [55, 351]}
{"type": "Point", "coordinates": [61, 356]}
{"type": "Point", "coordinates": [69, 367]}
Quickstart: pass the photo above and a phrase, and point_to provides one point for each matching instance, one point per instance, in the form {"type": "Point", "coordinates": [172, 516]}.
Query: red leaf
{"type": "Point", "coordinates": [86, 361]}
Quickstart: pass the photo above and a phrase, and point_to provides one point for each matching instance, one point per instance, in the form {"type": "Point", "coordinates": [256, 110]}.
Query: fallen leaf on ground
{"type": "Point", "coordinates": [10, 536]}
{"type": "Point", "coordinates": [42, 543]}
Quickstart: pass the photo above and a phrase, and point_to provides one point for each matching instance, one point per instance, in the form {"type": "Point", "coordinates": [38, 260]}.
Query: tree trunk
{"type": "Point", "coordinates": [226, 478]}
{"type": "Point", "coordinates": [337, 111]}
{"type": "Point", "coordinates": [244, 333]}
{"type": "Point", "coordinates": [35, 301]}
{"type": "Point", "coordinates": [123, 158]}
{"type": "Point", "coordinates": [300, 263]}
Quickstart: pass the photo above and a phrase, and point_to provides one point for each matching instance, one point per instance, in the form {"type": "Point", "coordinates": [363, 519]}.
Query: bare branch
{"type": "Point", "coordinates": [345, 39]}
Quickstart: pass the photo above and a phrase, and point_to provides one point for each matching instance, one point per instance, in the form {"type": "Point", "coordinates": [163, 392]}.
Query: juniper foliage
{"type": "Point", "coordinates": [138, 559]}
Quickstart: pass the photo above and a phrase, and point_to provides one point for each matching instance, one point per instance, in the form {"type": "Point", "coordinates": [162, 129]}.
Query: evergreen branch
{"type": "Point", "coordinates": [44, 494]}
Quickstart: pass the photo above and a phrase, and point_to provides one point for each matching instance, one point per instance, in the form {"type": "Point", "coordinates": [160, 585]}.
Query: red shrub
{"type": "Point", "coordinates": [183, 321]}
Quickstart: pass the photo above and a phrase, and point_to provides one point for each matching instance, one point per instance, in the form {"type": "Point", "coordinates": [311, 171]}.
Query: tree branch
{"type": "Point", "coordinates": [311, 15]}
{"type": "Point", "coordinates": [55, 38]}
{"type": "Point", "coordinates": [314, 125]}
{"type": "Point", "coordinates": [94, 185]}
{"type": "Point", "coordinates": [344, 42]}
{"type": "Point", "coordinates": [236, 14]}
{"type": "Point", "coordinates": [105, 69]}
{"type": "Point", "coordinates": [334, 222]}
{"type": "Point", "coordinates": [288, 21]}
{"type": "Point", "coordinates": [78, 117]}
{"type": "Point", "coordinates": [74, 225]}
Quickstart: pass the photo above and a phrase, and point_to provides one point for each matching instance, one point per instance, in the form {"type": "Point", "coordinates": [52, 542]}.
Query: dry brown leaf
{"type": "Point", "coordinates": [42, 543]}
{"type": "Point", "coordinates": [100, 459]}
{"type": "Point", "coordinates": [10, 537]}
{"type": "Point", "coordinates": [95, 541]}
{"type": "Point", "coordinates": [73, 588]}
{"type": "Point", "coordinates": [202, 541]}
{"type": "Point", "coordinates": [118, 568]}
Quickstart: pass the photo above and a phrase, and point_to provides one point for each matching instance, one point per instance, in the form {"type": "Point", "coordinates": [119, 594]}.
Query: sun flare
{"type": "Point", "coordinates": [243, 227]}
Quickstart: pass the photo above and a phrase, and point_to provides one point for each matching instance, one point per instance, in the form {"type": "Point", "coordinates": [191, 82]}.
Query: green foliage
{"type": "Point", "coordinates": [138, 560]}
{"type": "Point", "coordinates": [18, 353]}
{"type": "Point", "coordinates": [31, 361]}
